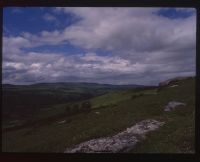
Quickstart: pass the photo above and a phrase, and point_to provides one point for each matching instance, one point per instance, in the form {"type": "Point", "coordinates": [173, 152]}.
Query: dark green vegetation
{"type": "Point", "coordinates": [109, 114]}
{"type": "Point", "coordinates": [24, 103]}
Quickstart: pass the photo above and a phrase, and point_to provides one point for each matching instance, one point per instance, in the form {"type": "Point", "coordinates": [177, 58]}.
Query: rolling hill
{"type": "Point", "coordinates": [24, 101]}
{"type": "Point", "coordinates": [111, 113]}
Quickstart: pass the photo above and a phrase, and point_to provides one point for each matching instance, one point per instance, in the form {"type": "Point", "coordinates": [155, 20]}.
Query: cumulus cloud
{"type": "Point", "coordinates": [82, 67]}
{"type": "Point", "coordinates": [147, 48]}
{"type": "Point", "coordinates": [126, 28]}
{"type": "Point", "coordinates": [49, 17]}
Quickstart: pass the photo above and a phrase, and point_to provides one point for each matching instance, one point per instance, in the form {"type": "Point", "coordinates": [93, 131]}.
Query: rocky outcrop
{"type": "Point", "coordinates": [172, 105]}
{"type": "Point", "coordinates": [172, 81]}
{"type": "Point", "coordinates": [121, 142]}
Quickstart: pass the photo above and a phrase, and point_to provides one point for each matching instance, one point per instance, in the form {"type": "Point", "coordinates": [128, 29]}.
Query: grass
{"type": "Point", "coordinates": [176, 136]}
{"type": "Point", "coordinates": [114, 98]}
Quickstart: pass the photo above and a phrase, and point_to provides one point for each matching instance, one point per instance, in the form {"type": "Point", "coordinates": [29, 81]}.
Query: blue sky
{"type": "Point", "coordinates": [173, 13]}
{"type": "Point", "coordinates": [104, 45]}
{"type": "Point", "coordinates": [25, 18]}
{"type": "Point", "coordinates": [32, 19]}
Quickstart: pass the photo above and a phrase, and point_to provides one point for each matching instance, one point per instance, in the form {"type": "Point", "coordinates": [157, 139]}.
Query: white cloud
{"type": "Point", "coordinates": [17, 66]}
{"type": "Point", "coordinates": [146, 48]}
{"type": "Point", "coordinates": [121, 28]}
{"type": "Point", "coordinates": [127, 28]}
{"type": "Point", "coordinates": [13, 44]}
{"type": "Point", "coordinates": [49, 17]}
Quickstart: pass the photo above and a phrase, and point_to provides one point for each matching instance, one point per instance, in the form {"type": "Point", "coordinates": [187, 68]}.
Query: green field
{"type": "Point", "coordinates": [116, 111]}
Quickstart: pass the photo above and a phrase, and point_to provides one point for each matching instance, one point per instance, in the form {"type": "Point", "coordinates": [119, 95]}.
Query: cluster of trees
{"type": "Point", "coordinates": [31, 97]}
{"type": "Point", "coordinates": [26, 104]}
{"type": "Point", "coordinates": [78, 108]}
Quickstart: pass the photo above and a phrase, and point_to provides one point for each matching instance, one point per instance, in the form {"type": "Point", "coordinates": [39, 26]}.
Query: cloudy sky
{"type": "Point", "coordinates": [103, 45]}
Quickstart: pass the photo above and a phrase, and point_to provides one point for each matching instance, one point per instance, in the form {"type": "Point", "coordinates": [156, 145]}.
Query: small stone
{"type": "Point", "coordinates": [62, 122]}
{"type": "Point", "coordinates": [174, 86]}
{"type": "Point", "coordinates": [172, 105]}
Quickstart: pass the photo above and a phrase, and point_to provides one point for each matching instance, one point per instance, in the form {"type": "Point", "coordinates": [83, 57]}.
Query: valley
{"type": "Point", "coordinates": [103, 113]}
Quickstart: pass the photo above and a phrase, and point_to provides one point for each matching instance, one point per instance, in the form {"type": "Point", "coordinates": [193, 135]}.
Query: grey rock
{"type": "Point", "coordinates": [62, 122]}
{"type": "Point", "coordinates": [172, 105]}
{"type": "Point", "coordinates": [172, 81]}
{"type": "Point", "coordinates": [121, 142]}
{"type": "Point", "coordinates": [173, 86]}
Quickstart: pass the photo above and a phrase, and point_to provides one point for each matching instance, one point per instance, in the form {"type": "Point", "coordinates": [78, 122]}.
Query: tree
{"type": "Point", "coordinates": [86, 106]}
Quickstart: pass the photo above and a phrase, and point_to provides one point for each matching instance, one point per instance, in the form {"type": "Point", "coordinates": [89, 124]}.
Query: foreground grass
{"type": "Point", "coordinates": [176, 136]}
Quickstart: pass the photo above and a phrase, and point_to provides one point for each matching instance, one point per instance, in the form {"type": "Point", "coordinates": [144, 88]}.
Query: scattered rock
{"type": "Point", "coordinates": [174, 86]}
{"type": "Point", "coordinates": [121, 142]}
{"type": "Point", "coordinates": [14, 121]}
{"type": "Point", "coordinates": [172, 105]}
{"type": "Point", "coordinates": [62, 122]}
{"type": "Point", "coordinates": [97, 112]}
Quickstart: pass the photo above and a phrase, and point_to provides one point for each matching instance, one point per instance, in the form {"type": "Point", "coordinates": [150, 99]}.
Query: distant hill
{"type": "Point", "coordinates": [70, 85]}
{"type": "Point", "coordinates": [26, 100]}
{"type": "Point", "coordinates": [68, 91]}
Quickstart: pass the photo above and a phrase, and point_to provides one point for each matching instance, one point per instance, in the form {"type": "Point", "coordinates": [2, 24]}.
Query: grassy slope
{"type": "Point", "coordinates": [177, 135]}
{"type": "Point", "coordinates": [114, 98]}
{"type": "Point", "coordinates": [23, 103]}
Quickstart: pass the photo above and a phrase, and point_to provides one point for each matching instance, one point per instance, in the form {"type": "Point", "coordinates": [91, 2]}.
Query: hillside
{"type": "Point", "coordinates": [112, 113]}
{"type": "Point", "coordinates": [25, 101]}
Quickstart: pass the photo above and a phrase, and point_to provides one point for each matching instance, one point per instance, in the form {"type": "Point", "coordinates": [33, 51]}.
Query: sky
{"type": "Point", "coordinates": [109, 45]}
